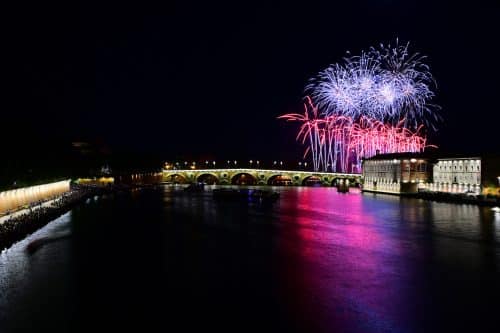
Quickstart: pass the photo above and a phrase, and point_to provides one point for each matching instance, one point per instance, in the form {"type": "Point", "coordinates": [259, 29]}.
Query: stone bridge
{"type": "Point", "coordinates": [259, 177]}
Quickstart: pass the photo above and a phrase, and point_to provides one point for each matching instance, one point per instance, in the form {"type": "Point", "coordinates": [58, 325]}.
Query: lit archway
{"type": "Point", "coordinates": [312, 181]}
{"type": "Point", "coordinates": [243, 179]}
{"type": "Point", "coordinates": [336, 181]}
{"type": "Point", "coordinates": [208, 178]}
{"type": "Point", "coordinates": [279, 180]}
{"type": "Point", "coordinates": [177, 179]}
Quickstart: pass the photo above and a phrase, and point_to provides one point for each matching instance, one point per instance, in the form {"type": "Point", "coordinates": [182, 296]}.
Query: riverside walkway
{"type": "Point", "coordinates": [23, 211]}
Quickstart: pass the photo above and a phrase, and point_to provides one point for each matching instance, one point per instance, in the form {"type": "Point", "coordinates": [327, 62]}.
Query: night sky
{"type": "Point", "coordinates": [209, 79]}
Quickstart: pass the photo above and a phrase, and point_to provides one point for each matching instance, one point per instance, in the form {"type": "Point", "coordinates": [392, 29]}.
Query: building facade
{"type": "Point", "coordinates": [396, 173]}
{"type": "Point", "coordinates": [410, 173]}
{"type": "Point", "coordinates": [457, 175]}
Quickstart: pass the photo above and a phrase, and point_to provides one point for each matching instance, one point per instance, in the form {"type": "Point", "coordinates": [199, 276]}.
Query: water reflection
{"type": "Point", "coordinates": [374, 262]}
{"type": "Point", "coordinates": [26, 280]}
{"type": "Point", "coordinates": [316, 261]}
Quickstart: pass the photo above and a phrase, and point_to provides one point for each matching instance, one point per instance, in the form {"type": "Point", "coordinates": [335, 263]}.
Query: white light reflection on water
{"type": "Point", "coordinates": [23, 274]}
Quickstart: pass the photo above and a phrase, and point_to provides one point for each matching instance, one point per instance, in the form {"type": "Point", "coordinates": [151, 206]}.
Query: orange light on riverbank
{"type": "Point", "coordinates": [13, 199]}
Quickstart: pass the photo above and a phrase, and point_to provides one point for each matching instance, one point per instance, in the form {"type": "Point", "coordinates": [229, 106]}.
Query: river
{"type": "Point", "coordinates": [315, 261]}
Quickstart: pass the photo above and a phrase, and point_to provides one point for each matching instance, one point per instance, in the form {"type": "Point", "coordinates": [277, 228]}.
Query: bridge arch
{"type": "Point", "coordinates": [341, 181]}
{"type": "Point", "coordinates": [208, 178]}
{"type": "Point", "coordinates": [336, 181]}
{"type": "Point", "coordinates": [243, 178]}
{"type": "Point", "coordinates": [312, 180]}
{"type": "Point", "coordinates": [177, 178]}
{"type": "Point", "coordinates": [280, 179]}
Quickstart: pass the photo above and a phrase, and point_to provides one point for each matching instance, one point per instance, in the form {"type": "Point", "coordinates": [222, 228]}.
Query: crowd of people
{"type": "Point", "coordinates": [40, 213]}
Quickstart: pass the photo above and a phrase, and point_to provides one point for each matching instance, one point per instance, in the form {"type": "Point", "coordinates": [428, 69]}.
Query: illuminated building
{"type": "Point", "coordinates": [457, 175]}
{"type": "Point", "coordinates": [14, 199]}
{"type": "Point", "coordinates": [396, 173]}
{"type": "Point", "coordinates": [475, 175]}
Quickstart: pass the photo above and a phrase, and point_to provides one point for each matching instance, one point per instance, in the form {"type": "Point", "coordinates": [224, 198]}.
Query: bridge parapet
{"type": "Point", "coordinates": [258, 176]}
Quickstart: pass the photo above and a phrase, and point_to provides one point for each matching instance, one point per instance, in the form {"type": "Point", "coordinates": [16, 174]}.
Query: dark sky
{"type": "Point", "coordinates": [209, 78]}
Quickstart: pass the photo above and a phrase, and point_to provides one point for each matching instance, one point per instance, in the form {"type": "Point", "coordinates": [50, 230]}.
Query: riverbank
{"type": "Point", "coordinates": [18, 225]}
{"type": "Point", "coordinates": [456, 198]}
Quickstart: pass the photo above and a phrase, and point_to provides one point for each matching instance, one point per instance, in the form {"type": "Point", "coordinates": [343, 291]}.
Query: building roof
{"type": "Point", "coordinates": [434, 155]}
{"type": "Point", "coordinates": [408, 155]}
{"type": "Point", "coordinates": [472, 157]}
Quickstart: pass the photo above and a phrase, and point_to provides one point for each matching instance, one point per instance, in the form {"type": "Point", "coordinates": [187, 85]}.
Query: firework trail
{"type": "Point", "coordinates": [377, 102]}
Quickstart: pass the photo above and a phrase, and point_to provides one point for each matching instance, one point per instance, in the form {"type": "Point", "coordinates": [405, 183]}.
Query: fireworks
{"type": "Point", "coordinates": [377, 102]}
{"type": "Point", "coordinates": [385, 83]}
{"type": "Point", "coordinates": [338, 143]}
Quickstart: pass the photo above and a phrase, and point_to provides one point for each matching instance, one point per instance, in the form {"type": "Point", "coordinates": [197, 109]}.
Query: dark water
{"type": "Point", "coordinates": [316, 261]}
